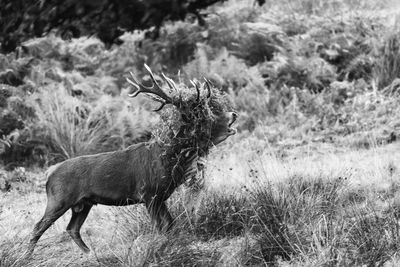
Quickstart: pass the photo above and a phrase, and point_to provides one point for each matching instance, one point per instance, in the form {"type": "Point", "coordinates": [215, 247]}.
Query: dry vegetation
{"type": "Point", "coordinates": [311, 179]}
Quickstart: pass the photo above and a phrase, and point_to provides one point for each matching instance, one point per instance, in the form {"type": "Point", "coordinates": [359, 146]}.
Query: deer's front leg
{"type": "Point", "coordinates": [160, 215]}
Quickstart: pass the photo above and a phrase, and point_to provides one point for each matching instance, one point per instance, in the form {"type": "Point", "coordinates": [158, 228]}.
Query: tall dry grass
{"type": "Point", "coordinates": [74, 127]}
{"type": "Point", "coordinates": [387, 67]}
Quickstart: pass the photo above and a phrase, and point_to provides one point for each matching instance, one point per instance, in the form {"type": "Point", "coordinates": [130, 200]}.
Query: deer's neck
{"type": "Point", "coordinates": [182, 161]}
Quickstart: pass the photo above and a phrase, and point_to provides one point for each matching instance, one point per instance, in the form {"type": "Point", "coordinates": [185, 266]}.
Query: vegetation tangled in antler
{"type": "Point", "coordinates": [188, 126]}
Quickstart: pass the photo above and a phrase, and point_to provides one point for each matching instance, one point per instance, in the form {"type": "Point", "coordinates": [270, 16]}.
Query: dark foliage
{"type": "Point", "coordinates": [108, 19]}
{"type": "Point", "coordinates": [9, 119]}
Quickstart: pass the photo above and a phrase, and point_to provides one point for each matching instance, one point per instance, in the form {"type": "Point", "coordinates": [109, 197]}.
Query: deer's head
{"type": "Point", "coordinates": [205, 116]}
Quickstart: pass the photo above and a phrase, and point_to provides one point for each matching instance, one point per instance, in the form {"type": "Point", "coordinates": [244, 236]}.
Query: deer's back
{"type": "Point", "coordinates": [134, 173]}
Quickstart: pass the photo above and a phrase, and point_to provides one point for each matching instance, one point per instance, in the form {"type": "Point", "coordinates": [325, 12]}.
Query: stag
{"type": "Point", "coordinates": [147, 172]}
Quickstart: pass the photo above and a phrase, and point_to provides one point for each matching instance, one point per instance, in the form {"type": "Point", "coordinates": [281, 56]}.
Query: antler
{"type": "Point", "coordinates": [196, 85]}
{"type": "Point", "coordinates": [208, 88]}
{"type": "Point", "coordinates": [155, 89]}
{"type": "Point", "coordinates": [156, 92]}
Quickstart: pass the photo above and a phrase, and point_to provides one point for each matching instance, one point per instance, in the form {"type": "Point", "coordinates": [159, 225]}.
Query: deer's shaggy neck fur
{"type": "Point", "coordinates": [183, 148]}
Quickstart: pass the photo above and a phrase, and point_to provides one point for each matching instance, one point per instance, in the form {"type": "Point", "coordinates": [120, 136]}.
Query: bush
{"type": "Point", "coordinates": [387, 67]}
{"type": "Point", "coordinates": [74, 127]}
{"type": "Point", "coordinates": [287, 215]}
{"type": "Point", "coordinates": [222, 216]}
{"type": "Point", "coordinates": [18, 179]}
{"type": "Point", "coordinates": [372, 238]}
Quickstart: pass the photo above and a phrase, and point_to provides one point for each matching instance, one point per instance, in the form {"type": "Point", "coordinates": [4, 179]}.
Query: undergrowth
{"type": "Point", "coordinates": [300, 221]}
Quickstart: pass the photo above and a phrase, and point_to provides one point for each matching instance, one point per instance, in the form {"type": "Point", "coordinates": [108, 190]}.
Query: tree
{"type": "Point", "coordinates": [107, 19]}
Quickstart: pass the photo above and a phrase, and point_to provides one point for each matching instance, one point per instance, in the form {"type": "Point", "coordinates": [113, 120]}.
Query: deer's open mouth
{"type": "Point", "coordinates": [232, 131]}
{"type": "Point", "coordinates": [225, 129]}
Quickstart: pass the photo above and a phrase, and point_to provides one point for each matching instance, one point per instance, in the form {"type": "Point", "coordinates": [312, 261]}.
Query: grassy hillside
{"type": "Point", "coordinates": [310, 179]}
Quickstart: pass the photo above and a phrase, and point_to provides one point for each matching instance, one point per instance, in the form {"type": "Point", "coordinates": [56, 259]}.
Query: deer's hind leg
{"type": "Point", "coordinates": [54, 210]}
{"type": "Point", "coordinates": [79, 215]}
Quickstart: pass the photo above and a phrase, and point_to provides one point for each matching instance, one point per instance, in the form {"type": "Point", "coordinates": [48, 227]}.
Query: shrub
{"type": "Point", "coordinates": [372, 238]}
{"type": "Point", "coordinates": [387, 65]}
{"type": "Point", "coordinates": [12, 110]}
{"type": "Point", "coordinates": [19, 179]}
{"type": "Point", "coordinates": [74, 127]}
{"type": "Point", "coordinates": [222, 216]}
{"type": "Point", "coordinates": [286, 215]}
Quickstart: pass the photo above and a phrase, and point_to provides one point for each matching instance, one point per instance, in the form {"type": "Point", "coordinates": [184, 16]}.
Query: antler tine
{"type": "Point", "coordinates": [134, 83]}
{"type": "Point", "coordinates": [208, 88]}
{"type": "Point", "coordinates": [160, 107]}
{"type": "Point", "coordinates": [170, 82]}
{"type": "Point", "coordinates": [195, 84]}
{"type": "Point", "coordinates": [155, 89]}
{"type": "Point", "coordinates": [198, 90]}
{"type": "Point", "coordinates": [151, 75]}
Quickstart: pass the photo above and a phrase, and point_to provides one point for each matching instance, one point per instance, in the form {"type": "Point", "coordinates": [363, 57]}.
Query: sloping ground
{"type": "Point", "coordinates": [236, 166]}
{"type": "Point", "coordinates": [122, 237]}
